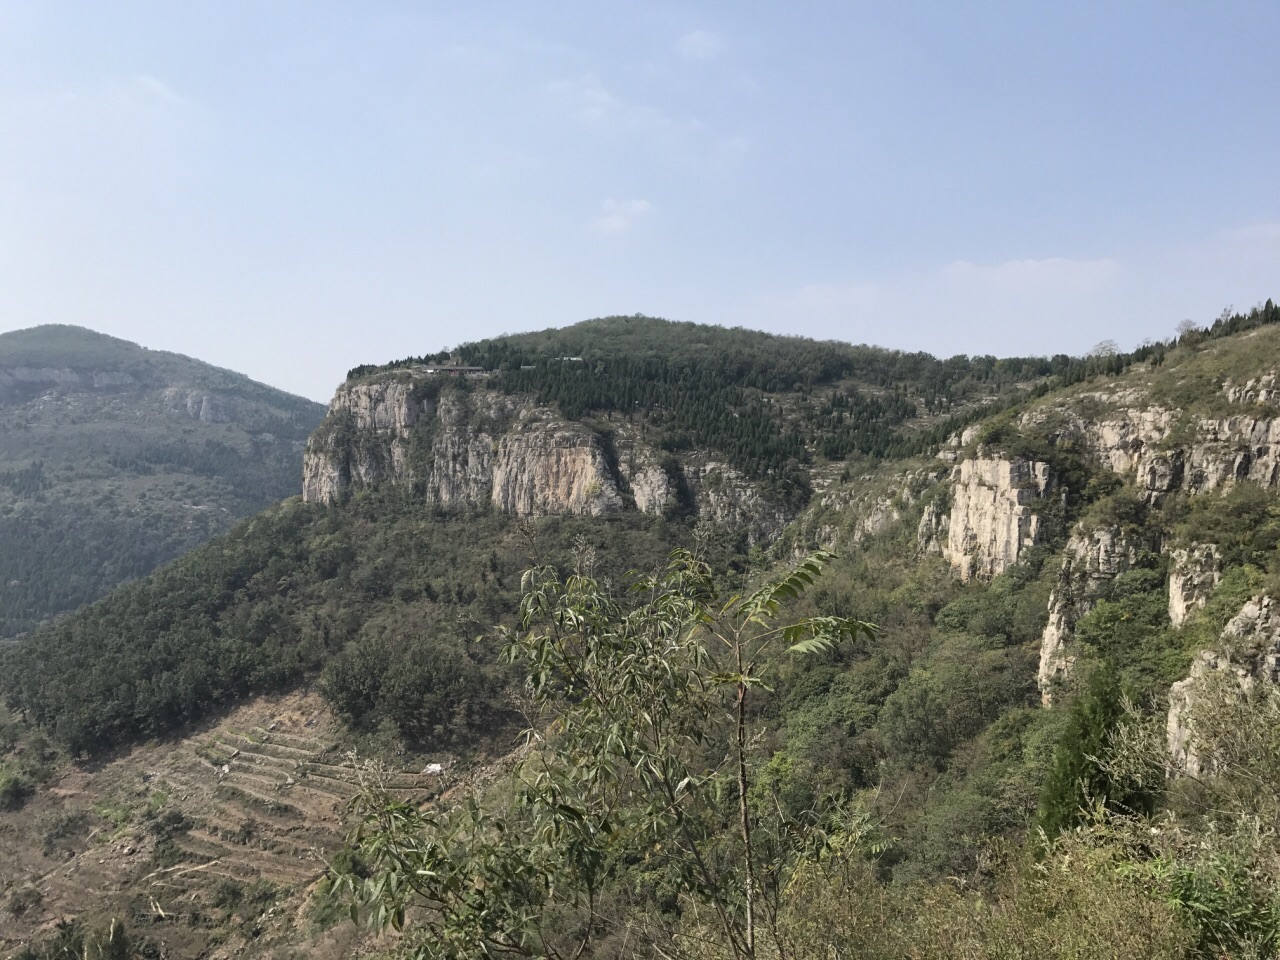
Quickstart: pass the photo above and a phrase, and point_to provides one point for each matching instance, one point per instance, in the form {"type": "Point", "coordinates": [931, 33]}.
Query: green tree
{"type": "Point", "coordinates": [1079, 777]}
{"type": "Point", "coordinates": [641, 752]}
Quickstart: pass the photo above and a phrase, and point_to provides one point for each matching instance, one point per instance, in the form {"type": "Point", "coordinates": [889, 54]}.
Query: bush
{"type": "Point", "coordinates": [15, 788]}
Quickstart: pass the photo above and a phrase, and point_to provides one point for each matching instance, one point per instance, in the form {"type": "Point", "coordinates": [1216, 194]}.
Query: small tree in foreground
{"type": "Point", "coordinates": [640, 754]}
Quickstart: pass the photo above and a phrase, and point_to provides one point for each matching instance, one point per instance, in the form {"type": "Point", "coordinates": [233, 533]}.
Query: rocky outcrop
{"type": "Point", "coordinates": [464, 451]}
{"type": "Point", "coordinates": [1258, 390]}
{"type": "Point", "coordinates": [876, 513]}
{"type": "Point", "coordinates": [847, 510]}
{"type": "Point", "coordinates": [992, 521]}
{"type": "Point", "coordinates": [1091, 562]}
{"type": "Point", "coordinates": [205, 407]}
{"type": "Point", "coordinates": [481, 449]}
{"type": "Point", "coordinates": [931, 532]}
{"type": "Point", "coordinates": [1140, 439]}
{"type": "Point", "coordinates": [1195, 574]}
{"type": "Point", "coordinates": [550, 469]}
{"type": "Point", "coordinates": [1248, 654]}
{"type": "Point", "coordinates": [652, 489]}
{"type": "Point", "coordinates": [953, 450]}
{"type": "Point", "coordinates": [23, 381]}
{"type": "Point", "coordinates": [727, 498]}
{"type": "Point", "coordinates": [381, 406]}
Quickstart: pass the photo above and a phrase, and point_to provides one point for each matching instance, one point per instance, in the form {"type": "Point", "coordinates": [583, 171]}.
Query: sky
{"type": "Point", "coordinates": [290, 189]}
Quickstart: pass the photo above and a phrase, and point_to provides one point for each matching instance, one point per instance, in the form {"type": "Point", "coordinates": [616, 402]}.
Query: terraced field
{"type": "Point", "coordinates": [207, 843]}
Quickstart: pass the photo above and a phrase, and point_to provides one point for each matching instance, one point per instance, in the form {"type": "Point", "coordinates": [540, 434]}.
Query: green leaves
{"type": "Point", "coordinates": [820, 634]}
{"type": "Point", "coordinates": [641, 756]}
{"type": "Point", "coordinates": [764, 605]}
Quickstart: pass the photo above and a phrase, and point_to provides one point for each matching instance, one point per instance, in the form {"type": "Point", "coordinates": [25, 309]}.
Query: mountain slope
{"type": "Point", "coordinates": [115, 459]}
{"type": "Point", "coordinates": [1110, 529]}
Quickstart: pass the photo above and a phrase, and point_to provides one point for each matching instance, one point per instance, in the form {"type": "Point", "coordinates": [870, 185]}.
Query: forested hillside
{"type": "Point", "coordinates": [1058, 740]}
{"type": "Point", "coordinates": [115, 459]}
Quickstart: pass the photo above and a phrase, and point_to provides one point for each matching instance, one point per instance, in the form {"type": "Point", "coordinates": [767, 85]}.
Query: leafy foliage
{"type": "Point", "coordinates": [641, 740]}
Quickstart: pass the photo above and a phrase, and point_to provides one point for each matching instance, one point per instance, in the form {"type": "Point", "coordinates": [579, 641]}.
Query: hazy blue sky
{"type": "Point", "coordinates": [290, 188]}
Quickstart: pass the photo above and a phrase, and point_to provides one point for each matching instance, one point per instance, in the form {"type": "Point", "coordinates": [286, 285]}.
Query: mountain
{"type": "Point", "coordinates": [115, 459]}
{"type": "Point", "coordinates": [1072, 564]}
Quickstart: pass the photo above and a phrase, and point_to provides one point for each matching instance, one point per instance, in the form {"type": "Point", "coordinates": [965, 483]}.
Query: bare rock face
{"type": "Point", "coordinates": [932, 531]}
{"type": "Point", "coordinates": [874, 514]}
{"type": "Point", "coordinates": [652, 488]}
{"type": "Point", "coordinates": [18, 380]}
{"type": "Point", "coordinates": [1092, 561]}
{"type": "Point", "coordinates": [485, 450]}
{"type": "Point", "coordinates": [726, 497]}
{"type": "Point", "coordinates": [1195, 574]}
{"type": "Point", "coordinates": [548, 469]}
{"type": "Point", "coordinates": [1248, 654]}
{"type": "Point", "coordinates": [474, 451]}
{"type": "Point", "coordinates": [205, 407]}
{"type": "Point", "coordinates": [1259, 390]}
{"type": "Point", "coordinates": [382, 406]}
{"type": "Point", "coordinates": [991, 521]}
{"type": "Point", "coordinates": [1129, 438]}
{"type": "Point", "coordinates": [1135, 438]}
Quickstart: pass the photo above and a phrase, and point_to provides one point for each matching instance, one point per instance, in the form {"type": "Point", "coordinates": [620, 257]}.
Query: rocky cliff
{"type": "Point", "coordinates": [477, 449]}
{"type": "Point", "coordinates": [1093, 559]}
{"type": "Point", "coordinates": [990, 513]}
{"type": "Point", "coordinates": [1247, 654]}
{"type": "Point", "coordinates": [1196, 572]}
{"type": "Point", "coordinates": [992, 520]}
{"type": "Point", "coordinates": [1167, 451]}
{"type": "Point", "coordinates": [481, 449]}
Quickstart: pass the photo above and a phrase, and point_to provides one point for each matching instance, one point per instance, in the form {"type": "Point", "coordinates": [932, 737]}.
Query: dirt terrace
{"type": "Point", "coordinates": [183, 839]}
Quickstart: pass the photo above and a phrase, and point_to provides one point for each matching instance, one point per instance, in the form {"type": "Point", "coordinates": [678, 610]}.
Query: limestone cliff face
{"type": "Point", "coordinates": [727, 498]}
{"type": "Point", "coordinates": [1258, 390]}
{"type": "Point", "coordinates": [1196, 572]}
{"type": "Point", "coordinates": [1165, 454]}
{"type": "Point", "coordinates": [198, 405]}
{"type": "Point", "coordinates": [1248, 654]}
{"type": "Point", "coordinates": [462, 451]}
{"type": "Point", "coordinates": [653, 491]}
{"type": "Point", "coordinates": [1092, 561]}
{"type": "Point", "coordinates": [548, 469]}
{"type": "Point", "coordinates": [870, 514]}
{"type": "Point", "coordinates": [991, 521]}
{"type": "Point", "coordinates": [481, 449]}
{"type": "Point", "coordinates": [23, 380]}
{"type": "Point", "coordinates": [933, 529]}
{"type": "Point", "coordinates": [843, 513]}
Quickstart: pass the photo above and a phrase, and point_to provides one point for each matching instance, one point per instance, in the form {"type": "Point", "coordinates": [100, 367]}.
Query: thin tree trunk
{"type": "Point", "coordinates": [744, 815]}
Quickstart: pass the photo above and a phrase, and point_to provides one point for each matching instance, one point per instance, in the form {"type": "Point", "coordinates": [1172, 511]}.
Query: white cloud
{"type": "Point", "coordinates": [617, 216]}
{"type": "Point", "coordinates": [588, 100]}
{"type": "Point", "coordinates": [701, 45]}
